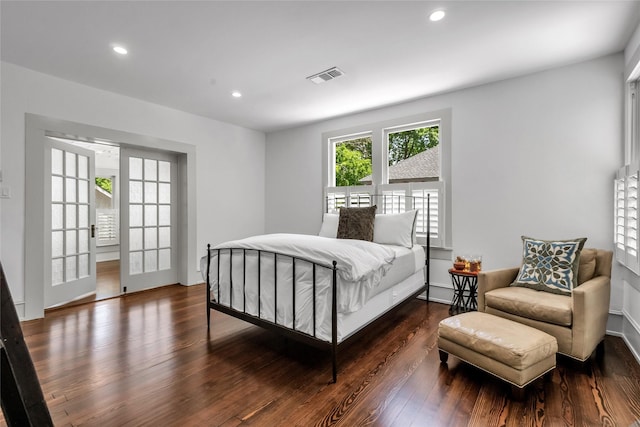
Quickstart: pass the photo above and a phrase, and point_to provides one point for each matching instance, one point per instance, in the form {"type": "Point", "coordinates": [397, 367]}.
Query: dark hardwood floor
{"type": "Point", "coordinates": [107, 279]}
{"type": "Point", "coordinates": [107, 284]}
{"type": "Point", "coordinates": [147, 359]}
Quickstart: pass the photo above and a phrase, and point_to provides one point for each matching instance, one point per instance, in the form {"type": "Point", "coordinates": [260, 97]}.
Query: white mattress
{"type": "Point", "coordinates": [350, 323]}
{"type": "Point", "coordinates": [405, 276]}
{"type": "Point", "coordinates": [407, 262]}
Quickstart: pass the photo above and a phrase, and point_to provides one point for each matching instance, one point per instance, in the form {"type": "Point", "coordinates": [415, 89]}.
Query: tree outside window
{"type": "Point", "coordinates": [353, 157]}
{"type": "Point", "coordinates": [409, 143]}
{"type": "Point", "coordinates": [105, 184]}
{"type": "Point", "coordinates": [353, 161]}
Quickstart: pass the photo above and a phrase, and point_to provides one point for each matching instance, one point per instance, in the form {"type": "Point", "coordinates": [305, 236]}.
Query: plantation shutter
{"type": "Point", "coordinates": [395, 200]}
{"type": "Point", "coordinates": [626, 217]}
{"type": "Point", "coordinates": [108, 224]}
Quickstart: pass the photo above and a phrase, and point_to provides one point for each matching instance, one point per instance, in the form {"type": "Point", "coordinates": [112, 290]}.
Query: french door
{"type": "Point", "coordinates": [69, 223]}
{"type": "Point", "coordinates": [148, 256]}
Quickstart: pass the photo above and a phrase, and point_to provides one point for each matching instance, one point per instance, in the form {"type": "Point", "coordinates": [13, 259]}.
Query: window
{"type": "Point", "coordinates": [396, 165]}
{"type": "Point", "coordinates": [108, 226]}
{"type": "Point", "coordinates": [626, 237]}
{"type": "Point", "coordinates": [413, 154]}
{"type": "Point", "coordinates": [352, 161]}
{"type": "Point", "coordinates": [626, 218]}
{"type": "Point", "coordinates": [107, 218]}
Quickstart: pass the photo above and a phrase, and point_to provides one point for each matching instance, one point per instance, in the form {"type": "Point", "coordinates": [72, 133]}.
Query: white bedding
{"type": "Point", "coordinates": [365, 269]}
{"type": "Point", "coordinates": [357, 259]}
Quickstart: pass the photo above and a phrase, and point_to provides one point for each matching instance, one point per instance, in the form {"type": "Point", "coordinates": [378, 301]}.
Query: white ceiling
{"type": "Point", "coordinates": [192, 55]}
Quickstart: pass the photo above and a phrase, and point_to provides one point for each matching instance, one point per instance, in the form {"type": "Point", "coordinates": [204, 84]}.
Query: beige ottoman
{"type": "Point", "coordinates": [509, 350]}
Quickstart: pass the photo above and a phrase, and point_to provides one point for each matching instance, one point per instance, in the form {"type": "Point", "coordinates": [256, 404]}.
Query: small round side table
{"type": "Point", "coordinates": [465, 291]}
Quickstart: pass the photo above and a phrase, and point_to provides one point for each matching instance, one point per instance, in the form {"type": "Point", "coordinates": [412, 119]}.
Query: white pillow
{"type": "Point", "coordinates": [395, 229]}
{"type": "Point", "coordinates": [329, 225]}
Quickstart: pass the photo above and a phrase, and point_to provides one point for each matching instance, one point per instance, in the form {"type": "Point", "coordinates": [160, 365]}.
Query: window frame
{"type": "Point", "coordinates": [632, 137]}
{"type": "Point", "coordinates": [379, 132]}
{"type": "Point", "coordinates": [332, 152]}
{"type": "Point", "coordinates": [626, 236]}
{"type": "Point", "coordinates": [397, 129]}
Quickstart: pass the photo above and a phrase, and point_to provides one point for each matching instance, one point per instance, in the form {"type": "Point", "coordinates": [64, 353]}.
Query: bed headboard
{"type": "Point", "coordinates": [390, 203]}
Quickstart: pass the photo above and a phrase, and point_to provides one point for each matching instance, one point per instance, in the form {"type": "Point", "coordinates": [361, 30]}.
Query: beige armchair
{"type": "Point", "coordinates": [578, 322]}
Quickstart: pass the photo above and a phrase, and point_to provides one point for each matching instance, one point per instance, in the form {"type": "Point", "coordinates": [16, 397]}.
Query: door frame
{"type": "Point", "coordinates": [37, 127]}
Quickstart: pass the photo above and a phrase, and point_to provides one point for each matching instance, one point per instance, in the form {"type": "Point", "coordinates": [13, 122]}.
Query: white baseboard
{"type": "Point", "coordinates": [631, 336]}
{"type": "Point", "coordinates": [20, 310]}
{"type": "Point", "coordinates": [107, 256]}
{"type": "Point", "coordinates": [441, 293]}
{"type": "Point", "coordinates": [614, 323]}
{"type": "Point", "coordinates": [631, 349]}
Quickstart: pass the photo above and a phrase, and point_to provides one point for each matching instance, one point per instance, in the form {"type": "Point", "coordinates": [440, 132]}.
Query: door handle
{"type": "Point", "coordinates": [93, 230]}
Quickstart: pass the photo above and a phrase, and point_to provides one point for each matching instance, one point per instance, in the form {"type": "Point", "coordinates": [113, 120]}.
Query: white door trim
{"type": "Point", "coordinates": [36, 128]}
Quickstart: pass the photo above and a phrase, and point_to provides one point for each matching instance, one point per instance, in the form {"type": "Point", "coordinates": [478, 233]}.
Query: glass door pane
{"type": "Point", "coordinates": [71, 250]}
{"type": "Point", "coordinates": [149, 216]}
{"type": "Point", "coordinates": [69, 216]}
{"type": "Point", "coordinates": [149, 208]}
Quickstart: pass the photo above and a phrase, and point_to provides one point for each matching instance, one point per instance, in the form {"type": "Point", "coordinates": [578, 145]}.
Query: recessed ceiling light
{"type": "Point", "coordinates": [436, 15]}
{"type": "Point", "coordinates": [119, 49]}
{"type": "Point", "coordinates": [236, 94]}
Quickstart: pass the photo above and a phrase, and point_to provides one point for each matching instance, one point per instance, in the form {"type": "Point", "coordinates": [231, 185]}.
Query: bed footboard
{"type": "Point", "coordinates": [236, 284]}
{"type": "Point", "coordinates": [257, 318]}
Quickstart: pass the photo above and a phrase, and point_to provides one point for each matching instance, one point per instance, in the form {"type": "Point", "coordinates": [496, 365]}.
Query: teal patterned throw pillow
{"type": "Point", "coordinates": [550, 266]}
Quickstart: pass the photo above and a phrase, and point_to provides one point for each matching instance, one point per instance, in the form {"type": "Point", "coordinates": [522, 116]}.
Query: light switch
{"type": "Point", "coordinates": [5, 192]}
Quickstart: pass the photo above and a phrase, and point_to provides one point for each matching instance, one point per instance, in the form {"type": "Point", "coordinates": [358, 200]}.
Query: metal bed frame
{"type": "Point", "coordinates": [309, 339]}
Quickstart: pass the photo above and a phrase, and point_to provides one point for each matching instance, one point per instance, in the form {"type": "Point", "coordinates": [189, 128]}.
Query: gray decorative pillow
{"type": "Point", "coordinates": [550, 266]}
{"type": "Point", "coordinates": [357, 223]}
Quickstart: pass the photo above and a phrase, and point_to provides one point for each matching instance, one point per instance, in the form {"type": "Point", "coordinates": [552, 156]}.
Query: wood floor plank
{"type": "Point", "coordinates": [554, 392]}
{"type": "Point", "coordinates": [147, 359]}
{"type": "Point", "coordinates": [585, 407]}
{"type": "Point", "coordinates": [491, 407]}
{"type": "Point", "coordinates": [401, 365]}
{"type": "Point", "coordinates": [400, 394]}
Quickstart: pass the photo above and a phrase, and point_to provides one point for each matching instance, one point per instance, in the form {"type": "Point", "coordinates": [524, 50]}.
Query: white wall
{"type": "Point", "coordinates": [230, 166]}
{"type": "Point", "coordinates": [534, 155]}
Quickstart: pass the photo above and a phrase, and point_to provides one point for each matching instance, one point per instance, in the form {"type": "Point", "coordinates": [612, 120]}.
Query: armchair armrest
{"type": "Point", "coordinates": [590, 314]}
{"type": "Point", "coordinates": [494, 279]}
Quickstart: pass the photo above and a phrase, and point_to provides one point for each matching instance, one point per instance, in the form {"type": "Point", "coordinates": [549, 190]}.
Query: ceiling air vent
{"type": "Point", "coordinates": [326, 75]}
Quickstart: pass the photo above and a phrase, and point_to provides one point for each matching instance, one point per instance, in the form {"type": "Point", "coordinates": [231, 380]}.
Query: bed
{"type": "Point", "coordinates": [320, 290]}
